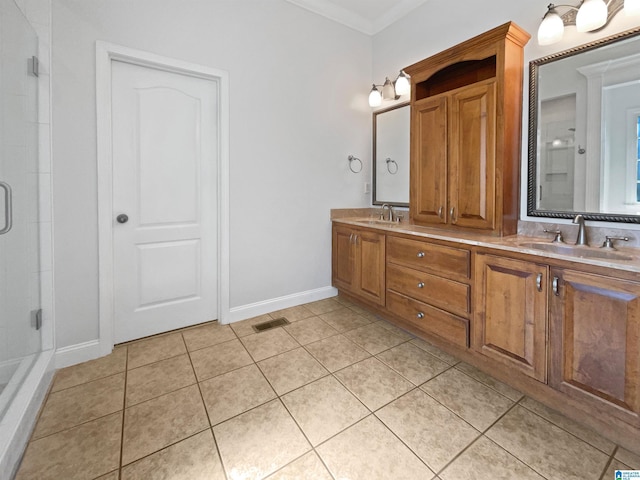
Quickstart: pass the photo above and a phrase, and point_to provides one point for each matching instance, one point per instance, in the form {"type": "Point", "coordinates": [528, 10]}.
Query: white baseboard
{"type": "Point", "coordinates": [78, 353]}
{"type": "Point", "coordinates": [237, 314]}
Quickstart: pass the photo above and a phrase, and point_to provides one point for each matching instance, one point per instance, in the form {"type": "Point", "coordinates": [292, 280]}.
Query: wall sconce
{"type": "Point", "coordinates": [390, 91]}
{"type": "Point", "coordinates": [589, 16]}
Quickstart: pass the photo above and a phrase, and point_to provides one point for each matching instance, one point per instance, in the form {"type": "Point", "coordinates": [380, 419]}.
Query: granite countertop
{"type": "Point", "coordinates": [629, 261]}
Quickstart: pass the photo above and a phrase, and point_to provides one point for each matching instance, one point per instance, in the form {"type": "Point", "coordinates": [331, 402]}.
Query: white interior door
{"type": "Point", "coordinates": [165, 149]}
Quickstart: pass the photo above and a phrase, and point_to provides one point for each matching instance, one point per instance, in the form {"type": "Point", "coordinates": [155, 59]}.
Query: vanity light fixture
{"type": "Point", "coordinates": [589, 16]}
{"type": "Point", "coordinates": [390, 90]}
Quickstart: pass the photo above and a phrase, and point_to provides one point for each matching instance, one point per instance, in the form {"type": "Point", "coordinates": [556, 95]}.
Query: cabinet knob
{"type": "Point", "coordinates": [420, 254]}
{"type": "Point", "coordinates": [421, 285]}
{"type": "Point", "coordinates": [420, 315]}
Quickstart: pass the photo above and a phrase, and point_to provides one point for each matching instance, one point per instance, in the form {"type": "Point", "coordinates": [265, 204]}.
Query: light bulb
{"type": "Point", "coordinates": [551, 29]}
{"type": "Point", "coordinates": [631, 7]}
{"type": "Point", "coordinates": [592, 15]}
{"type": "Point", "coordinates": [403, 87]}
{"type": "Point", "coordinates": [375, 99]}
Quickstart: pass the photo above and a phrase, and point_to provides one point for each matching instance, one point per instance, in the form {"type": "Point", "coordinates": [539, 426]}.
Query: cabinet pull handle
{"type": "Point", "coordinates": [420, 315]}
{"type": "Point", "coordinates": [421, 285]}
{"type": "Point", "coordinates": [440, 212]}
{"type": "Point", "coordinates": [539, 282]}
{"type": "Point", "coordinates": [452, 214]}
{"type": "Point", "coordinates": [355, 239]}
{"type": "Point", "coordinates": [351, 238]}
{"type": "Point", "coordinates": [420, 254]}
{"type": "Point", "coordinates": [554, 286]}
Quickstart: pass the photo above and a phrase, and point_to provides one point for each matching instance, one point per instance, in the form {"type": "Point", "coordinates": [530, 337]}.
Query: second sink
{"type": "Point", "coordinates": [577, 251]}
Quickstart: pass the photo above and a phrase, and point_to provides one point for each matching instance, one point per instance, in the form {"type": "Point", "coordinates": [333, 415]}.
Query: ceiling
{"type": "Point", "coordinates": [366, 16]}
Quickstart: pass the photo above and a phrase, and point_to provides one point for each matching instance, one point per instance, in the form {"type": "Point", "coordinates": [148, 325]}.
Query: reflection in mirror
{"type": "Point", "coordinates": [584, 131]}
{"type": "Point", "coordinates": [391, 156]}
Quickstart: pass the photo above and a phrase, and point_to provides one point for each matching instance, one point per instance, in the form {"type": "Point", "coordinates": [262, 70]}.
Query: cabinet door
{"type": "Point", "coordinates": [472, 157]}
{"type": "Point", "coordinates": [511, 312]}
{"type": "Point", "coordinates": [595, 341]}
{"type": "Point", "coordinates": [370, 266]}
{"type": "Point", "coordinates": [343, 258]}
{"type": "Point", "coordinates": [429, 161]}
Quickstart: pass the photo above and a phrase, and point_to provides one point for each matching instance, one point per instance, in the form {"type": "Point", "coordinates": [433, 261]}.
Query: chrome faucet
{"type": "Point", "coordinates": [390, 216]}
{"type": "Point", "coordinates": [582, 232]}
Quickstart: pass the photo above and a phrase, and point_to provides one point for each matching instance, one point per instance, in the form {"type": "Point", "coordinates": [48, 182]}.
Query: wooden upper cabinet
{"type": "Point", "coordinates": [595, 341]}
{"type": "Point", "coordinates": [466, 105]}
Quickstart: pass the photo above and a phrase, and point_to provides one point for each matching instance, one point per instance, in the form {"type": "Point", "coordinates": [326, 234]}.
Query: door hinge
{"type": "Point", "coordinates": [34, 66]}
{"type": "Point", "coordinates": [36, 319]}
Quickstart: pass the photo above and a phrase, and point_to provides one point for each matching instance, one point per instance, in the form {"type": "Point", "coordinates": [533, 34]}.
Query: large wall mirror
{"type": "Point", "coordinates": [584, 131]}
{"type": "Point", "coordinates": [391, 156]}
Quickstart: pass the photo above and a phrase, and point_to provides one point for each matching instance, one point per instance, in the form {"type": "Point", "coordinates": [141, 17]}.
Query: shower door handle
{"type": "Point", "coordinates": [8, 208]}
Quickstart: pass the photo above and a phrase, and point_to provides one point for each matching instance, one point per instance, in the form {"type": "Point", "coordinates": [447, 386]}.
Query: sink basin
{"type": "Point", "coordinates": [382, 223]}
{"type": "Point", "coordinates": [575, 251]}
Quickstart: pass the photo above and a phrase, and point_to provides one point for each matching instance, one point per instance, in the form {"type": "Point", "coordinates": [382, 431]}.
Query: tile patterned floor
{"type": "Point", "coordinates": [337, 394]}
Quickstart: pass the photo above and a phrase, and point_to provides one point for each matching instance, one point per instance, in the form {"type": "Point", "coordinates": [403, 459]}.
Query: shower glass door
{"type": "Point", "coordinates": [20, 340]}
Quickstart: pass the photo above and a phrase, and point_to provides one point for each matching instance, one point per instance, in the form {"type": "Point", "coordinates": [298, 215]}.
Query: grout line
{"type": "Point", "coordinates": [609, 462]}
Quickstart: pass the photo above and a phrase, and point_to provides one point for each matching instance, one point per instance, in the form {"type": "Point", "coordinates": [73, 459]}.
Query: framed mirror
{"type": "Point", "coordinates": [391, 130]}
{"type": "Point", "coordinates": [584, 131]}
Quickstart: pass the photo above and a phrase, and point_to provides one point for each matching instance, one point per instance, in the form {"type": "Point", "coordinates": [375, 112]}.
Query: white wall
{"type": "Point", "coordinates": [298, 109]}
{"type": "Point", "coordinates": [439, 24]}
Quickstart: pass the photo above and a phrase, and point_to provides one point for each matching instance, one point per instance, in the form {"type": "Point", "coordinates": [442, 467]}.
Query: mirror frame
{"type": "Point", "coordinates": [532, 211]}
{"type": "Point", "coordinates": [374, 156]}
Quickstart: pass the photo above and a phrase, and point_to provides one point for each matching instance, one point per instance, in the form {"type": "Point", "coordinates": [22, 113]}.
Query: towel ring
{"type": "Point", "coordinates": [352, 159]}
{"type": "Point", "coordinates": [389, 162]}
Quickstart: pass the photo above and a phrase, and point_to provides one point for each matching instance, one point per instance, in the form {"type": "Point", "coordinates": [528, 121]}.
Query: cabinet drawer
{"type": "Point", "coordinates": [440, 292]}
{"type": "Point", "coordinates": [430, 320]}
{"type": "Point", "coordinates": [428, 257]}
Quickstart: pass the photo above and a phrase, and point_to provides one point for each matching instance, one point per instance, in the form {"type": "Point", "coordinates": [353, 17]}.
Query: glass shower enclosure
{"type": "Point", "coordinates": [20, 316]}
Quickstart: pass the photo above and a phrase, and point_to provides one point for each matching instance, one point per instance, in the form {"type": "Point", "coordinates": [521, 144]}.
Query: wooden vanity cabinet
{"type": "Point", "coordinates": [359, 262]}
{"type": "Point", "coordinates": [466, 106]}
{"type": "Point", "coordinates": [428, 287]}
{"type": "Point", "coordinates": [595, 341]}
{"type": "Point", "coordinates": [510, 314]}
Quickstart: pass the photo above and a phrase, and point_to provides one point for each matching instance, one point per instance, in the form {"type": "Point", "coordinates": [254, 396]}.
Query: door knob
{"type": "Point", "coordinates": [122, 218]}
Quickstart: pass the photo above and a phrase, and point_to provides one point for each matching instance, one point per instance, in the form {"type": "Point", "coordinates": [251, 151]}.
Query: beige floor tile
{"type": "Point", "coordinates": [111, 364]}
{"type": "Point", "coordinates": [155, 349]}
{"type": "Point", "coordinates": [337, 352]}
{"type": "Point", "coordinates": [369, 451]}
{"type": "Point", "coordinates": [310, 330]}
{"type": "Point", "coordinates": [259, 442]}
{"type": "Point", "coordinates": [610, 473]}
{"type": "Point", "coordinates": [344, 301]}
{"type": "Point", "coordinates": [291, 370]}
{"type": "Point", "coordinates": [434, 433]}
{"type": "Point", "coordinates": [83, 403]}
{"type": "Point", "coordinates": [371, 316]}
{"type": "Point", "coordinates": [413, 363]}
{"type": "Point", "coordinates": [374, 338]}
{"type": "Point", "coordinates": [547, 448]}
{"type": "Point", "coordinates": [293, 314]}
{"type": "Point", "coordinates": [195, 458]}
{"type": "Point", "coordinates": [580, 431]}
{"type": "Point", "coordinates": [344, 319]}
{"type": "Point", "coordinates": [115, 475]}
{"type": "Point", "coordinates": [207, 335]}
{"type": "Point", "coordinates": [398, 331]}
{"type": "Point", "coordinates": [87, 451]}
{"type": "Point", "coordinates": [267, 344]}
{"type": "Point", "coordinates": [485, 460]}
{"type": "Point", "coordinates": [435, 351]}
{"type": "Point", "coordinates": [324, 408]}
{"type": "Point", "coordinates": [245, 327]}
{"type": "Point", "coordinates": [232, 393]}
{"type": "Point", "coordinates": [159, 378]}
{"type": "Point", "coordinates": [218, 359]}
{"type": "Point", "coordinates": [473, 401]}
{"type": "Point", "coordinates": [162, 421]}
{"type": "Point", "coordinates": [489, 381]}
{"type": "Point", "coordinates": [307, 467]}
{"type": "Point", "coordinates": [323, 306]}
{"type": "Point", "coordinates": [373, 382]}
{"type": "Point", "coordinates": [628, 458]}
